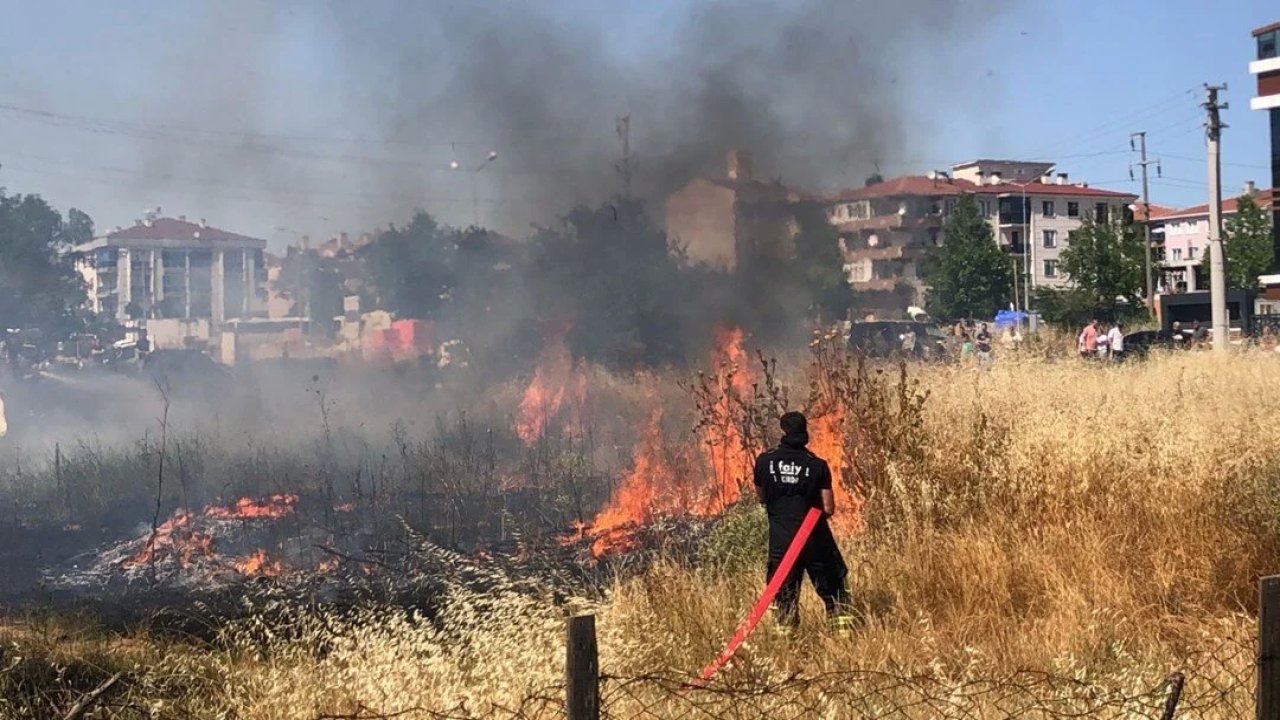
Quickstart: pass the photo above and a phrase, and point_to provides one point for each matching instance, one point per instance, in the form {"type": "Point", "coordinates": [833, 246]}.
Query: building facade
{"type": "Point", "coordinates": [721, 222]}
{"type": "Point", "coordinates": [1182, 239]}
{"type": "Point", "coordinates": [171, 269]}
{"type": "Point", "coordinates": [887, 228]}
{"type": "Point", "coordinates": [1267, 68]}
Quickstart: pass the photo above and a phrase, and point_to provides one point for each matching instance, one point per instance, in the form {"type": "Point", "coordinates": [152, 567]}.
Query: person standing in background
{"type": "Point", "coordinates": [1115, 342]}
{"type": "Point", "coordinates": [1089, 340]}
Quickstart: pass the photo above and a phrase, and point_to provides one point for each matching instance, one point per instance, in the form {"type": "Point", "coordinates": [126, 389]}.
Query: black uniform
{"type": "Point", "coordinates": [793, 480]}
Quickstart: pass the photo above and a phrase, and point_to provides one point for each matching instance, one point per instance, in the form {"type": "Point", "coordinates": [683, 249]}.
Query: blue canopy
{"type": "Point", "coordinates": [1007, 318]}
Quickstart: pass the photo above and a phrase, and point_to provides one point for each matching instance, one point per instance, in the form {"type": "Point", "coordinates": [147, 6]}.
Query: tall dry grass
{"type": "Point", "coordinates": [1097, 520]}
{"type": "Point", "coordinates": [1100, 522]}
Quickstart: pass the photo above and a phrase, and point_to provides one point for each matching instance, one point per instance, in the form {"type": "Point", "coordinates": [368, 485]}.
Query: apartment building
{"type": "Point", "coordinates": [1182, 236]}
{"type": "Point", "coordinates": [175, 269]}
{"type": "Point", "coordinates": [887, 228]}
{"type": "Point", "coordinates": [723, 221]}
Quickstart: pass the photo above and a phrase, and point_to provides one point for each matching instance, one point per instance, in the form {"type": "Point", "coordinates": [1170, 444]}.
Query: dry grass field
{"type": "Point", "coordinates": [1041, 537]}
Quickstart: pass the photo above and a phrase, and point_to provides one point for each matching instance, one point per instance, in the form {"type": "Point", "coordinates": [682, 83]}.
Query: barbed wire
{"type": "Point", "coordinates": [1214, 683]}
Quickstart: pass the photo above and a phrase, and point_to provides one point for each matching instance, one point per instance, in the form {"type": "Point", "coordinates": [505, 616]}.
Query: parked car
{"type": "Point", "coordinates": [185, 372]}
{"type": "Point", "coordinates": [1138, 344]}
{"type": "Point", "coordinates": [885, 338]}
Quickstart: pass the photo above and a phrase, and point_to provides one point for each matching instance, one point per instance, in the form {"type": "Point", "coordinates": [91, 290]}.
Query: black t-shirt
{"type": "Point", "coordinates": [793, 480]}
{"type": "Point", "coordinates": [984, 340]}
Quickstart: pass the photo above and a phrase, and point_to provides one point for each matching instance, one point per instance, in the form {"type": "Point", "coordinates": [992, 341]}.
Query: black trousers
{"type": "Point", "coordinates": [820, 558]}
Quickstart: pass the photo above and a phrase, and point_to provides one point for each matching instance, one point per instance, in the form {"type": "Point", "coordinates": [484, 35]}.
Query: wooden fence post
{"type": "Point", "coordinates": [1269, 648]}
{"type": "Point", "coordinates": [1176, 682]}
{"type": "Point", "coordinates": [582, 670]}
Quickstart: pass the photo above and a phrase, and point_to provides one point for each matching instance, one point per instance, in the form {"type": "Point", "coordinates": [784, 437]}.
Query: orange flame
{"type": "Point", "coordinates": [655, 488]}
{"type": "Point", "coordinates": [555, 378]}
{"type": "Point", "coordinates": [826, 440]}
{"type": "Point", "coordinates": [728, 455]}
{"type": "Point", "coordinates": [175, 538]}
{"type": "Point", "coordinates": [271, 507]}
{"type": "Point", "coordinates": [257, 563]}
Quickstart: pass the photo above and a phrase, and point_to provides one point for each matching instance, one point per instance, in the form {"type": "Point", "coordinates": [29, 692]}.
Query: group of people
{"type": "Point", "coordinates": [1093, 343]}
{"type": "Point", "coordinates": [978, 340]}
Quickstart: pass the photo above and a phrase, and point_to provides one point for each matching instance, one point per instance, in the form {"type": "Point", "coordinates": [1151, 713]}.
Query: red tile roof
{"type": "Point", "coordinates": [1264, 198]}
{"type": "Point", "coordinates": [1156, 211]}
{"type": "Point", "coordinates": [905, 185]}
{"type": "Point", "coordinates": [174, 229]}
{"type": "Point", "coordinates": [920, 185]}
{"type": "Point", "coordinates": [1035, 188]}
{"type": "Point", "coordinates": [1266, 29]}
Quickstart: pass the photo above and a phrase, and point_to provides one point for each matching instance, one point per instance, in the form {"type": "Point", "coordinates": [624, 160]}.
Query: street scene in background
{"type": "Point", "coordinates": [677, 360]}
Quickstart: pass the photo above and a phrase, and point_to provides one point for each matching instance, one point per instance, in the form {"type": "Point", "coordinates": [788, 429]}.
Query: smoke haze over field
{"type": "Point", "coordinates": [326, 116]}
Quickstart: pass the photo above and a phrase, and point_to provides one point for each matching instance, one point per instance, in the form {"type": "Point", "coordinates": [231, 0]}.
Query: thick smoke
{"type": "Point", "coordinates": [819, 90]}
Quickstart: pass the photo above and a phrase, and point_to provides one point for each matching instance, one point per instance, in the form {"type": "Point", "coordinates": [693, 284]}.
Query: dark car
{"type": "Point", "coordinates": [885, 338]}
{"type": "Point", "coordinates": [1138, 344]}
{"type": "Point", "coordinates": [184, 370]}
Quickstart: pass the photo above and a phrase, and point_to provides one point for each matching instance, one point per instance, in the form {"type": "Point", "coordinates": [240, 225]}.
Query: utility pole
{"type": "Point", "coordinates": [624, 164]}
{"type": "Point", "coordinates": [1217, 268]}
{"type": "Point", "coordinates": [1146, 216]}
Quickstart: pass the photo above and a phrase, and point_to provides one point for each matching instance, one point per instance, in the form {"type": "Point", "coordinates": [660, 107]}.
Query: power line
{"type": "Point", "coordinates": [212, 189]}
{"type": "Point", "coordinates": [1117, 124]}
{"type": "Point", "coordinates": [1232, 164]}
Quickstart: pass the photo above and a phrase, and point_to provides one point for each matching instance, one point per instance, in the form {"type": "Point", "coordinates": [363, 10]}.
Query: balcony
{"type": "Point", "coordinates": [894, 252]}
{"type": "Point", "coordinates": [892, 221]}
{"type": "Point", "coordinates": [876, 284]}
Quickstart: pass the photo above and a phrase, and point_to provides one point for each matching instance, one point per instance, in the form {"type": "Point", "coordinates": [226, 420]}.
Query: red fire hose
{"type": "Point", "coordinates": [762, 605]}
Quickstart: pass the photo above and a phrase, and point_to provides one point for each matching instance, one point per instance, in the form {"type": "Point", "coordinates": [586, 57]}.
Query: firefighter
{"type": "Point", "coordinates": [789, 481]}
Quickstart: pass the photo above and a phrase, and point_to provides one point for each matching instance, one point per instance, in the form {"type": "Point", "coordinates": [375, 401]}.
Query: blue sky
{"type": "Point", "coordinates": [131, 82]}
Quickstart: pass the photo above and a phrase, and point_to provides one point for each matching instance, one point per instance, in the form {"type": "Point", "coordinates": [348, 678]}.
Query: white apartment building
{"type": "Point", "coordinates": [888, 227]}
{"type": "Point", "coordinates": [171, 269]}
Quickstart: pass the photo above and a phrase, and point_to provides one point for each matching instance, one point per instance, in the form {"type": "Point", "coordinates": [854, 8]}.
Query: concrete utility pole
{"type": "Point", "coordinates": [1217, 268]}
{"type": "Point", "coordinates": [1146, 215]}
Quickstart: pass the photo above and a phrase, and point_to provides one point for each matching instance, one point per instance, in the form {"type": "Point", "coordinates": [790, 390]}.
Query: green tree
{"type": "Point", "coordinates": [819, 264]}
{"type": "Point", "coordinates": [1247, 243]}
{"type": "Point", "coordinates": [39, 285]}
{"type": "Point", "coordinates": [412, 266]}
{"type": "Point", "coordinates": [969, 276]}
{"type": "Point", "coordinates": [1104, 261]}
{"type": "Point", "coordinates": [607, 273]}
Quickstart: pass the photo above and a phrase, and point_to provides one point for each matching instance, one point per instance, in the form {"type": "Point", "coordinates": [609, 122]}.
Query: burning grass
{"type": "Point", "coordinates": [1099, 523]}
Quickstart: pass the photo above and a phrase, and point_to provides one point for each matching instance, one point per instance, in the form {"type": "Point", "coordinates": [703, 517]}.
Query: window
{"type": "Point", "coordinates": [935, 207]}
{"type": "Point", "coordinates": [1014, 210]}
{"type": "Point", "coordinates": [935, 237]}
{"type": "Point", "coordinates": [1073, 209]}
{"type": "Point", "coordinates": [1268, 43]}
{"type": "Point", "coordinates": [1015, 239]}
{"type": "Point", "coordinates": [1191, 253]}
{"type": "Point", "coordinates": [950, 206]}
{"type": "Point", "coordinates": [1100, 212]}
{"type": "Point", "coordinates": [1051, 268]}
{"type": "Point", "coordinates": [1177, 253]}
{"type": "Point", "coordinates": [984, 207]}
{"type": "Point", "coordinates": [1047, 209]}
{"type": "Point", "coordinates": [1051, 238]}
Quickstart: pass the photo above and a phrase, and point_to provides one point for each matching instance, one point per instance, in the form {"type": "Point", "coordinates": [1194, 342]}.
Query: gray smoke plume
{"type": "Point", "coordinates": [821, 91]}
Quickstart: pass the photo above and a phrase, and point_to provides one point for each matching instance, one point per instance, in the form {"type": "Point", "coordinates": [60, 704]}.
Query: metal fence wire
{"type": "Point", "coordinates": [1217, 683]}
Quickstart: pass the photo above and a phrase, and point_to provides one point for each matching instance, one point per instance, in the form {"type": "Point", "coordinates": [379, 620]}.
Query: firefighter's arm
{"type": "Point", "coordinates": [760, 493]}
{"type": "Point", "coordinates": [828, 497]}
